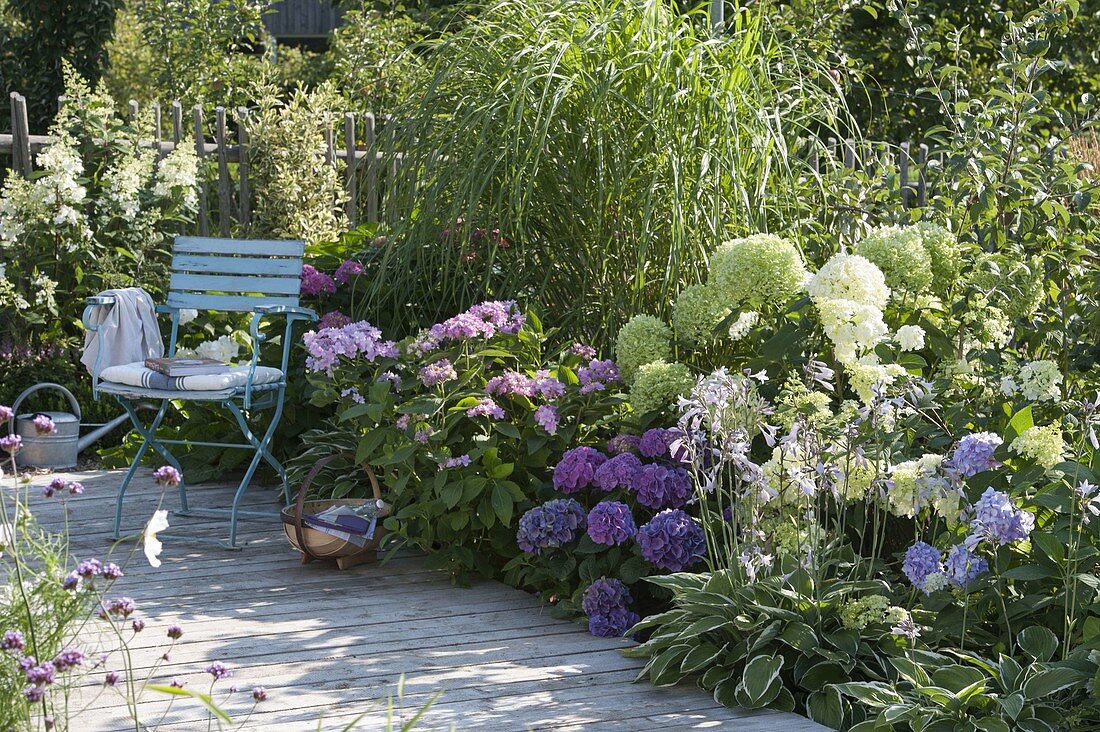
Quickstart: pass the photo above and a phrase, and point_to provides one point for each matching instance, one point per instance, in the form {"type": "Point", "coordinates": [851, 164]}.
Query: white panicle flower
{"type": "Point", "coordinates": [177, 175]}
{"type": "Point", "coordinates": [44, 289]}
{"type": "Point", "coordinates": [1039, 381]}
{"type": "Point", "coordinates": [150, 543]}
{"type": "Point", "coordinates": [223, 349]}
{"type": "Point", "coordinates": [187, 315]}
{"type": "Point", "coordinates": [125, 180]}
{"type": "Point", "coordinates": [849, 277]}
{"type": "Point", "coordinates": [744, 323]}
{"type": "Point", "coordinates": [867, 373]}
{"type": "Point", "coordinates": [910, 337]}
{"type": "Point", "coordinates": [853, 327]}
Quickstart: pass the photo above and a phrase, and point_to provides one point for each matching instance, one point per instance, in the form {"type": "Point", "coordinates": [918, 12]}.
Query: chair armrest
{"type": "Point", "coordinates": [297, 313]}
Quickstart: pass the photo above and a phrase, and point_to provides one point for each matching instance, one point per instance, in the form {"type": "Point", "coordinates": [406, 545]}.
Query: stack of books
{"type": "Point", "coordinates": [176, 367]}
{"type": "Point", "coordinates": [345, 522]}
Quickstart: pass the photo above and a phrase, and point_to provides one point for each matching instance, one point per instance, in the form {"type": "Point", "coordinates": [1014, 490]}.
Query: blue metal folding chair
{"type": "Point", "coordinates": [225, 275]}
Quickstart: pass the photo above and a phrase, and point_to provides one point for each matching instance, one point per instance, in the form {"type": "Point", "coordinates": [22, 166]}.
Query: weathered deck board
{"type": "Point", "coordinates": [332, 645]}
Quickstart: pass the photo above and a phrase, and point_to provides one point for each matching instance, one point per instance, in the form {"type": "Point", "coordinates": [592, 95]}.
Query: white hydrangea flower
{"type": "Point", "coordinates": [850, 277]}
{"type": "Point", "coordinates": [744, 323]}
{"type": "Point", "coordinates": [853, 327]}
{"type": "Point", "coordinates": [222, 349]}
{"type": "Point", "coordinates": [177, 175]}
{"type": "Point", "coordinates": [910, 337]}
{"type": "Point", "coordinates": [187, 315]}
{"type": "Point", "coordinates": [1039, 381]}
{"type": "Point", "coordinates": [127, 178]}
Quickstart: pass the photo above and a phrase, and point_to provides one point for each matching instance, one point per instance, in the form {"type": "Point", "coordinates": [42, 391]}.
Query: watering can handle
{"type": "Point", "coordinates": [47, 385]}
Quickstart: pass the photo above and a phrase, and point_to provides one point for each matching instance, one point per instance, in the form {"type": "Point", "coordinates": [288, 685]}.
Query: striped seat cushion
{"type": "Point", "coordinates": [136, 374]}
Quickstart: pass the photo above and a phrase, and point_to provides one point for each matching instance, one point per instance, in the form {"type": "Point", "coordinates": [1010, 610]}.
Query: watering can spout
{"type": "Point", "coordinates": [99, 432]}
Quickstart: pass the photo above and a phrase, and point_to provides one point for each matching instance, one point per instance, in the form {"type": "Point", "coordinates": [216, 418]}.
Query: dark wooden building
{"type": "Point", "coordinates": [302, 21]}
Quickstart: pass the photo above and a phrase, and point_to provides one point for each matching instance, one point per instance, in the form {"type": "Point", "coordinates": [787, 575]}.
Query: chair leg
{"type": "Point", "coordinates": [148, 440]}
{"type": "Point", "coordinates": [262, 453]}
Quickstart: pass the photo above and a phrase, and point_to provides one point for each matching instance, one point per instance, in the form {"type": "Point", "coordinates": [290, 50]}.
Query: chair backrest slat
{"type": "Point", "coordinates": [247, 247]}
{"type": "Point", "coordinates": [234, 275]}
{"type": "Point", "coordinates": [226, 303]}
{"type": "Point", "coordinates": [235, 284]}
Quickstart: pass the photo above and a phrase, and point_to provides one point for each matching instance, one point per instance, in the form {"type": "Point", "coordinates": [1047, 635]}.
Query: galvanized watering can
{"type": "Point", "coordinates": [58, 449]}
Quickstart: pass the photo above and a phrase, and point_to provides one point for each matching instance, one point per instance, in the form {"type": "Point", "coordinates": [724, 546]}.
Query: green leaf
{"type": "Point", "coordinates": [826, 707]}
{"type": "Point", "coordinates": [700, 657]}
{"type": "Point", "coordinates": [501, 471]}
{"type": "Point", "coordinates": [1020, 422]}
{"type": "Point", "coordinates": [502, 504]}
{"type": "Point", "coordinates": [1012, 704]}
{"type": "Point", "coordinates": [704, 625]}
{"type": "Point", "coordinates": [759, 675]}
{"type": "Point", "coordinates": [872, 693]}
{"type": "Point", "coordinates": [799, 636]}
{"type": "Point", "coordinates": [955, 678]}
{"type": "Point", "coordinates": [204, 699]}
{"type": "Point", "coordinates": [508, 429]}
{"type": "Point", "coordinates": [1050, 681]}
{"type": "Point", "coordinates": [1027, 572]}
{"type": "Point", "coordinates": [1038, 642]}
{"type": "Point", "coordinates": [992, 724]}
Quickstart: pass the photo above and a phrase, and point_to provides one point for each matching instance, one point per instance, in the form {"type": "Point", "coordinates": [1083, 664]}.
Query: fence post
{"type": "Point", "coordinates": [177, 123]}
{"type": "Point", "coordinates": [903, 175]}
{"type": "Point", "coordinates": [225, 203]}
{"type": "Point", "coordinates": [371, 144]}
{"type": "Point", "coordinates": [351, 207]}
{"type": "Point", "coordinates": [200, 151]}
{"type": "Point", "coordinates": [20, 136]}
{"type": "Point", "coordinates": [242, 166]}
{"type": "Point", "coordinates": [156, 130]}
{"type": "Point", "coordinates": [922, 181]}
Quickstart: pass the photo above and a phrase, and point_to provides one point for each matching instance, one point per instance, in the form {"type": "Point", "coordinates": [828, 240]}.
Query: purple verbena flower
{"type": "Point", "coordinates": [112, 678]}
{"type": "Point", "coordinates": [40, 674]}
{"type": "Point", "coordinates": [71, 581]}
{"type": "Point", "coordinates": [672, 540]}
{"type": "Point", "coordinates": [6, 414]}
{"type": "Point", "coordinates": [259, 693]}
{"type": "Point", "coordinates": [175, 632]}
{"type": "Point", "coordinates": [75, 488]}
{"type": "Point", "coordinates": [13, 640]}
{"type": "Point", "coordinates": [611, 523]}
{"type": "Point", "coordinates": [43, 425]}
{"type": "Point", "coordinates": [138, 625]}
{"type": "Point", "coordinates": [11, 443]}
{"type": "Point", "coordinates": [553, 524]}
{"type": "Point", "coordinates": [53, 487]}
{"type": "Point", "coordinates": [112, 571]}
{"type": "Point", "coordinates": [577, 469]}
{"type": "Point", "coordinates": [89, 568]}
{"type": "Point", "coordinates": [620, 471]}
{"type": "Point", "coordinates": [218, 670]}
{"type": "Point", "coordinates": [69, 658]}
{"type": "Point", "coordinates": [120, 606]}
{"type": "Point", "coordinates": [167, 475]}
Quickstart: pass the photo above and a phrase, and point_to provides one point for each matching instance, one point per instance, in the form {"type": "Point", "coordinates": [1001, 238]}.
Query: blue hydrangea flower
{"type": "Point", "coordinates": [610, 523]}
{"type": "Point", "coordinates": [922, 560]}
{"type": "Point", "coordinates": [660, 487]}
{"type": "Point", "coordinates": [997, 519]}
{"type": "Point", "coordinates": [672, 540]}
{"type": "Point", "coordinates": [620, 471]}
{"type": "Point", "coordinates": [655, 442]}
{"type": "Point", "coordinates": [974, 453]}
{"type": "Point", "coordinates": [577, 469]}
{"type": "Point", "coordinates": [552, 524]}
{"type": "Point", "coordinates": [614, 624]}
{"type": "Point", "coordinates": [963, 566]}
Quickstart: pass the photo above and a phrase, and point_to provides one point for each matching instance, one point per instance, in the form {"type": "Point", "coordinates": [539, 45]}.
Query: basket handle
{"type": "Point", "coordinates": [300, 505]}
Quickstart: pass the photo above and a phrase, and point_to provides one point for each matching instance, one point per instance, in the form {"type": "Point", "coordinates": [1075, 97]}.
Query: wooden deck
{"type": "Point", "coordinates": [332, 645]}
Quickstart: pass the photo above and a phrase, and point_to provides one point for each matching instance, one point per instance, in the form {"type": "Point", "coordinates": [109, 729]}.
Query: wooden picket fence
{"type": "Point", "coordinates": [225, 197]}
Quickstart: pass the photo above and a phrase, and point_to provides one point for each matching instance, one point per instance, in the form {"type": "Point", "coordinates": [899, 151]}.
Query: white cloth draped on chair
{"type": "Point", "coordinates": [128, 330]}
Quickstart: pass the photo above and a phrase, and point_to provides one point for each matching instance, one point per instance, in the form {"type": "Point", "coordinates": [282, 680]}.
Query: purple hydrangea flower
{"type": "Point", "coordinates": [598, 375]}
{"type": "Point", "coordinates": [356, 340]}
{"type": "Point", "coordinates": [654, 443]}
{"type": "Point", "coordinates": [333, 319]}
{"type": "Point", "coordinates": [13, 640]}
{"type": "Point", "coordinates": [439, 372]}
{"type": "Point", "coordinates": [424, 434]}
{"type": "Point", "coordinates": [547, 386]}
{"type": "Point", "coordinates": [620, 471]}
{"type": "Point", "coordinates": [485, 408]}
{"type": "Point", "coordinates": [623, 442]}
{"type": "Point", "coordinates": [481, 321]}
{"type": "Point", "coordinates": [462, 461]}
{"type": "Point", "coordinates": [922, 560]}
{"type": "Point", "coordinates": [577, 469]}
{"type": "Point", "coordinates": [611, 523]}
{"type": "Point", "coordinates": [585, 351]}
{"type": "Point", "coordinates": [511, 383]}
{"type": "Point", "coordinates": [218, 670]}
{"type": "Point", "coordinates": [963, 566]}
{"type": "Point", "coordinates": [607, 604]}
{"type": "Point", "coordinates": [350, 268]}
{"type": "Point", "coordinates": [974, 453]}
{"type": "Point", "coordinates": [660, 487]}
{"type": "Point", "coordinates": [552, 524]}
{"type": "Point", "coordinates": [546, 417]}
{"type": "Point", "coordinates": [43, 425]}
{"type": "Point", "coordinates": [998, 520]}
{"type": "Point", "coordinates": [672, 540]}
{"type": "Point", "coordinates": [315, 282]}
{"type": "Point", "coordinates": [167, 475]}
